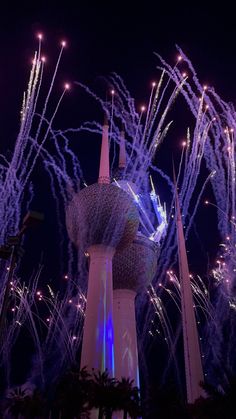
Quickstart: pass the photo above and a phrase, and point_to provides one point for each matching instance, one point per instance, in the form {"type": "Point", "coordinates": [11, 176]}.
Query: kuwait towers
{"type": "Point", "coordinates": [100, 219]}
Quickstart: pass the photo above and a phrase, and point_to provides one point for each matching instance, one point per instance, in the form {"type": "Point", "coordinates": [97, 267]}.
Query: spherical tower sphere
{"type": "Point", "coordinates": [102, 214]}
{"type": "Point", "coordinates": [135, 266]}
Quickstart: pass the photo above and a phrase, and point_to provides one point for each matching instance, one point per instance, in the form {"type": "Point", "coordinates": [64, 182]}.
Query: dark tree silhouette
{"type": "Point", "coordinates": [72, 394]}
{"type": "Point", "coordinates": [15, 402]}
{"type": "Point", "coordinates": [218, 404]}
{"type": "Point", "coordinates": [164, 402]}
{"type": "Point", "coordinates": [103, 394]}
{"type": "Point", "coordinates": [128, 398]}
{"type": "Point", "coordinates": [22, 402]}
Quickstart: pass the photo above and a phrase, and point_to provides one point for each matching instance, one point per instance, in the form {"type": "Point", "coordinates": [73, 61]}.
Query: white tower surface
{"type": "Point", "coordinates": [192, 354]}
{"type": "Point", "coordinates": [101, 218]}
{"type": "Point", "coordinates": [133, 270]}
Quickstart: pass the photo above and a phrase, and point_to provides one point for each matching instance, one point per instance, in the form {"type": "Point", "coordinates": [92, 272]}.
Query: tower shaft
{"type": "Point", "coordinates": [104, 168]}
{"type": "Point", "coordinates": [192, 354]}
{"type": "Point", "coordinates": [98, 339]}
{"type": "Point", "coordinates": [125, 338]}
{"type": "Point", "coordinates": [122, 153]}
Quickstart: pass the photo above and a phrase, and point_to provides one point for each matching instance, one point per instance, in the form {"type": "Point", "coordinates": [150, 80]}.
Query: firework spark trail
{"type": "Point", "coordinates": [30, 160]}
{"type": "Point", "coordinates": [43, 140]}
{"type": "Point", "coordinates": [185, 195]}
{"type": "Point", "coordinates": [173, 295]}
{"type": "Point", "coordinates": [58, 329]}
{"type": "Point", "coordinates": [135, 141]}
{"type": "Point", "coordinates": [29, 110]}
{"type": "Point", "coordinates": [150, 110]}
{"type": "Point", "coordinates": [167, 108]}
{"type": "Point", "coordinates": [191, 171]}
{"type": "Point", "coordinates": [155, 139]}
{"type": "Point", "coordinates": [195, 157]}
{"type": "Point", "coordinates": [218, 157]}
{"type": "Point", "coordinates": [162, 316]}
{"type": "Point", "coordinates": [49, 93]}
{"type": "Point", "coordinates": [169, 336]}
{"type": "Point", "coordinates": [191, 219]}
{"type": "Point", "coordinates": [157, 100]}
{"type": "Point", "coordinates": [202, 305]}
{"type": "Point", "coordinates": [125, 103]}
{"type": "Point", "coordinates": [189, 195]}
{"type": "Point", "coordinates": [60, 337]}
{"type": "Point", "coordinates": [221, 158]}
{"type": "Point", "coordinates": [58, 175]}
{"type": "Point", "coordinates": [64, 325]}
{"type": "Point", "coordinates": [139, 157]}
{"type": "Point", "coordinates": [102, 103]}
{"type": "Point", "coordinates": [26, 117]}
{"type": "Point", "coordinates": [212, 153]}
{"type": "Point", "coordinates": [14, 176]}
{"type": "Point", "coordinates": [18, 172]}
{"type": "Point", "coordinates": [22, 315]}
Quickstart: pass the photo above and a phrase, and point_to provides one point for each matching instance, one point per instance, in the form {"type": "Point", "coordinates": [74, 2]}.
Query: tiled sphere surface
{"type": "Point", "coordinates": [102, 214]}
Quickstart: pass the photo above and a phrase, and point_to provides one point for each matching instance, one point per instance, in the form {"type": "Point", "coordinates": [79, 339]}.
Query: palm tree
{"type": "Point", "coordinates": [103, 394]}
{"type": "Point", "coordinates": [128, 396]}
{"type": "Point", "coordinates": [15, 401]}
{"type": "Point", "coordinates": [218, 404]}
{"type": "Point", "coordinates": [34, 405]}
{"type": "Point", "coordinates": [72, 392]}
{"type": "Point", "coordinates": [165, 402]}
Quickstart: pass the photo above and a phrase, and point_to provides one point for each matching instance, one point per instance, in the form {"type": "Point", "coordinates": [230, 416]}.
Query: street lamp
{"type": "Point", "coordinates": [12, 250]}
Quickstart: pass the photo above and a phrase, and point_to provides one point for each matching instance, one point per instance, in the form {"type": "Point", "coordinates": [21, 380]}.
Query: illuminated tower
{"type": "Point", "coordinates": [101, 218]}
{"type": "Point", "coordinates": [192, 354]}
{"type": "Point", "coordinates": [133, 269]}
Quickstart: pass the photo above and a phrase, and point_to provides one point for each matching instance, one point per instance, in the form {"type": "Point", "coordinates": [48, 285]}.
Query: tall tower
{"type": "Point", "coordinates": [192, 354]}
{"type": "Point", "coordinates": [100, 218]}
{"type": "Point", "coordinates": [133, 269]}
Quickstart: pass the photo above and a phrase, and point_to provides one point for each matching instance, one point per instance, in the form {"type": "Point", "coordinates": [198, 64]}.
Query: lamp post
{"type": "Point", "coordinates": [12, 249]}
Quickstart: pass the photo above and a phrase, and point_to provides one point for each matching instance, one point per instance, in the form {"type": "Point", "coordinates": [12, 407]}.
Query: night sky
{"type": "Point", "coordinates": [111, 36]}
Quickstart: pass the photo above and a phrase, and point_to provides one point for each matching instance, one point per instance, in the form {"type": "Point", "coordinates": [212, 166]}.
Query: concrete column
{"type": "Point", "coordinates": [192, 354]}
{"type": "Point", "coordinates": [125, 337]}
{"type": "Point", "coordinates": [98, 337]}
{"type": "Point", "coordinates": [104, 168]}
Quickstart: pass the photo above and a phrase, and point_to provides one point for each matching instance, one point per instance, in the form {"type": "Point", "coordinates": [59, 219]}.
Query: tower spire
{"type": "Point", "coordinates": [104, 168]}
{"type": "Point", "coordinates": [192, 354]}
{"type": "Point", "coordinates": [122, 153]}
